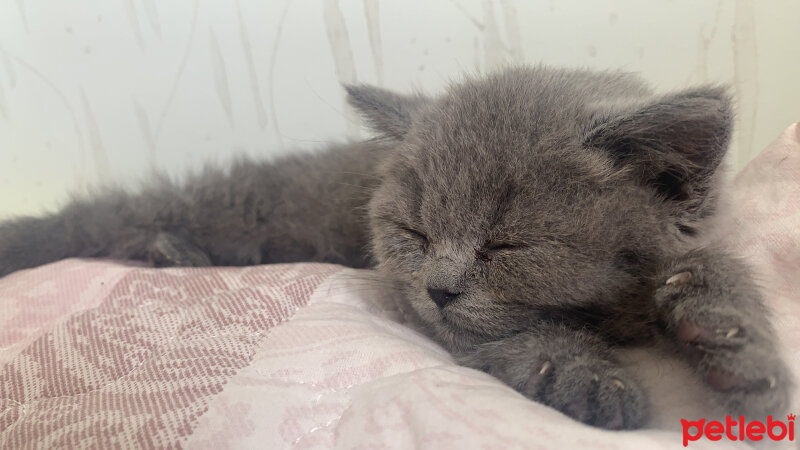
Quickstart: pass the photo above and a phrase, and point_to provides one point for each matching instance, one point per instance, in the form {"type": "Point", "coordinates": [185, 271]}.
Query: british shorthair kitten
{"type": "Point", "coordinates": [533, 219]}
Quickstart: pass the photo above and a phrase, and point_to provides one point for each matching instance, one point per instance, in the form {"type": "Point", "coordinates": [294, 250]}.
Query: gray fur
{"type": "Point", "coordinates": [531, 219]}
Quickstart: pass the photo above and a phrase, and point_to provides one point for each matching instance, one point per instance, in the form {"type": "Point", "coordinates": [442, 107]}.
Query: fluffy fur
{"type": "Point", "coordinates": [532, 219]}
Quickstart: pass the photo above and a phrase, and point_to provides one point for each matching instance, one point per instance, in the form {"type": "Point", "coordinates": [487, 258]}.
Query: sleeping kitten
{"type": "Point", "coordinates": [533, 219]}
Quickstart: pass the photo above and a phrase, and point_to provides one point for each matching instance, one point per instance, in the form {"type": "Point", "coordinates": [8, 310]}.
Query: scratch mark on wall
{"type": "Point", "coordinates": [510, 16]}
{"type": "Point", "coordinates": [133, 20]}
{"type": "Point", "coordinates": [745, 75]}
{"type": "Point", "coordinates": [101, 163]}
{"type": "Point", "coordinates": [344, 64]}
{"type": "Point", "coordinates": [466, 14]}
{"type": "Point", "coordinates": [371, 10]}
{"type": "Point", "coordinates": [251, 68]}
{"type": "Point", "coordinates": [12, 76]}
{"type": "Point", "coordinates": [700, 74]}
{"type": "Point", "coordinates": [80, 180]}
{"type": "Point", "coordinates": [79, 183]}
{"type": "Point", "coordinates": [492, 45]}
{"type": "Point", "coordinates": [151, 12]}
{"type": "Point", "coordinates": [220, 76]}
{"type": "Point", "coordinates": [272, 62]}
{"type": "Point", "coordinates": [22, 13]}
{"type": "Point", "coordinates": [179, 75]}
{"type": "Point", "coordinates": [3, 110]}
{"type": "Point", "coordinates": [147, 132]}
{"type": "Point", "coordinates": [476, 45]}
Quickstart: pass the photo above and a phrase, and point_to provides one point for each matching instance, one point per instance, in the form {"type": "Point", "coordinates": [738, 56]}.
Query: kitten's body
{"type": "Point", "coordinates": [531, 219]}
{"type": "Point", "coordinates": [298, 208]}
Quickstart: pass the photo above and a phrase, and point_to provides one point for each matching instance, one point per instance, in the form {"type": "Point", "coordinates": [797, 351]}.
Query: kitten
{"type": "Point", "coordinates": [533, 219]}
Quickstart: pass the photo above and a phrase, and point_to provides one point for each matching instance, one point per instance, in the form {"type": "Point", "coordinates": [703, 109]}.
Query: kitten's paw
{"type": "Point", "coordinates": [168, 250]}
{"type": "Point", "coordinates": [591, 390]}
{"type": "Point", "coordinates": [728, 339]}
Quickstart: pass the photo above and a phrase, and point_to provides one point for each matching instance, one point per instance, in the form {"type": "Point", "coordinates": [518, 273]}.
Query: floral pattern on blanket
{"type": "Point", "coordinates": [141, 365]}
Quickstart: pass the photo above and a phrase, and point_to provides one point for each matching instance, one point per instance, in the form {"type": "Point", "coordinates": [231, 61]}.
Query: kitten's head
{"type": "Point", "coordinates": [533, 192]}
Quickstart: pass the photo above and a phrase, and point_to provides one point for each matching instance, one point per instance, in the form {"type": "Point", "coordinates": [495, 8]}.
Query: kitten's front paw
{"type": "Point", "coordinates": [725, 333]}
{"type": "Point", "coordinates": [592, 390]}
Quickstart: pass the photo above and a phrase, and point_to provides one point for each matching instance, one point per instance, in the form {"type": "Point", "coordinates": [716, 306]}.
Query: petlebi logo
{"type": "Point", "coordinates": [738, 430]}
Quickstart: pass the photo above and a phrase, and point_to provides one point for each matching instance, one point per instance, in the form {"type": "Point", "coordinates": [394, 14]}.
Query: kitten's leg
{"type": "Point", "coordinates": [570, 370]}
{"type": "Point", "coordinates": [116, 225]}
{"type": "Point", "coordinates": [710, 305]}
{"type": "Point", "coordinates": [297, 208]}
{"type": "Point", "coordinates": [32, 241]}
{"type": "Point", "coordinates": [169, 250]}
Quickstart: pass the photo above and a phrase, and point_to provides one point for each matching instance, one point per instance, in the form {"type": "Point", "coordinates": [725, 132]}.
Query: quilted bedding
{"type": "Point", "coordinates": [101, 354]}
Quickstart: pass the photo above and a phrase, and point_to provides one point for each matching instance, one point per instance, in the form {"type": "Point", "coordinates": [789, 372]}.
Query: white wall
{"type": "Point", "coordinates": [99, 91]}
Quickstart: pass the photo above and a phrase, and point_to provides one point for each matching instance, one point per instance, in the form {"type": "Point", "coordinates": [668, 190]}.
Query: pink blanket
{"type": "Point", "coordinates": [100, 354]}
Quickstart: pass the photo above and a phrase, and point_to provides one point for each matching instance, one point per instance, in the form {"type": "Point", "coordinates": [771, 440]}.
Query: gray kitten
{"type": "Point", "coordinates": [533, 219]}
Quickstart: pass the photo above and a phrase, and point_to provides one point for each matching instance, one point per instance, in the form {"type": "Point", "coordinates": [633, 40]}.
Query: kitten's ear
{"type": "Point", "coordinates": [386, 112]}
{"type": "Point", "coordinates": [674, 143]}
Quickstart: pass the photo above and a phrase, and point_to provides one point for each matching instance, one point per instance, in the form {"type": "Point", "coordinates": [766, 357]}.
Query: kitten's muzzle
{"type": "Point", "coordinates": [442, 296]}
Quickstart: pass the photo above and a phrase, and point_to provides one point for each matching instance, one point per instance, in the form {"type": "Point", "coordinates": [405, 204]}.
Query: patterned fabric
{"type": "Point", "coordinates": [140, 365]}
{"type": "Point", "coordinates": [97, 354]}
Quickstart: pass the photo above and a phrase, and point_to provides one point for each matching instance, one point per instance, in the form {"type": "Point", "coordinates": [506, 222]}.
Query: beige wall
{"type": "Point", "coordinates": [93, 92]}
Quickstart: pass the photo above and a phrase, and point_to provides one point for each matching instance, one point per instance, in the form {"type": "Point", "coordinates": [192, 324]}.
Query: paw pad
{"type": "Point", "coordinates": [721, 380]}
{"type": "Point", "coordinates": [692, 333]}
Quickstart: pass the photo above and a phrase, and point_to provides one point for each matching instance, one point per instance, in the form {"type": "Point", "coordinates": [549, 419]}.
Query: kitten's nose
{"type": "Point", "coordinates": [442, 296]}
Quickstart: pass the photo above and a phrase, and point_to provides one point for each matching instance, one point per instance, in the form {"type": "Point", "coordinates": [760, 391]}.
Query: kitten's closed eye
{"type": "Point", "coordinates": [491, 247]}
{"type": "Point", "coordinates": [418, 235]}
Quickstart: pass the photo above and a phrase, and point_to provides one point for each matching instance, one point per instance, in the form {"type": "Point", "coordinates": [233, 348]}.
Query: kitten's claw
{"type": "Point", "coordinates": [679, 279]}
{"type": "Point", "coordinates": [537, 379]}
{"type": "Point", "coordinates": [730, 333]}
{"type": "Point", "coordinates": [590, 390]}
{"type": "Point", "coordinates": [717, 317]}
